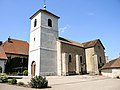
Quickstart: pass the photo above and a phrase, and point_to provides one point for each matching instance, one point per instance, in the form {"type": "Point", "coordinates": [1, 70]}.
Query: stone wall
{"type": "Point", "coordinates": [93, 56]}
{"type": "Point", "coordinates": [43, 45]}
{"type": "Point", "coordinates": [89, 59]}
{"type": "Point", "coordinates": [111, 72]}
{"type": "Point", "coordinates": [74, 67]}
{"type": "Point", "coordinates": [99, 50]}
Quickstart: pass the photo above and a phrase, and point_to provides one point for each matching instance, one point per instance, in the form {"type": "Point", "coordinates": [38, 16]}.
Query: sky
{"type": "Point", "coordinates": [80, 20]}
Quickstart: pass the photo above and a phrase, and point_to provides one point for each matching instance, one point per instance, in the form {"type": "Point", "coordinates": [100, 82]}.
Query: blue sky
{"type": "Point", "coordinates": [81, 20]}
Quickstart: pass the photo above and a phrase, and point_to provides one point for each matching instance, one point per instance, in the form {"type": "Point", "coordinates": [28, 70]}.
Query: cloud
{"type": "Point", "coordinates": [91, 14]}
{"type": "Point", "coordinates": [63, 29]}
{"type": "Point", "coordinates": [25, 32]}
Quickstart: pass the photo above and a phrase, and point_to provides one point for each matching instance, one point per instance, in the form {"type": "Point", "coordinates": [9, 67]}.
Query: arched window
{"type": "Point", "coordinates": [100, 60]}
{"type": "Point", "coordinates": [49, 22]}
{"type": "Point", "coordinates": [70, 58]}
{"type": "Point", "coordinates": [35, 23]}
{"type": "Point", "coordinates": [81, 60]}
{"type": "Point", "coordinates": [34, 38]}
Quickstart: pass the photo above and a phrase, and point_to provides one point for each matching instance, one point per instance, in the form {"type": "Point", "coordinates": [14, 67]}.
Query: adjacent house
{"type": "Point", "coordinates": [14, 56]}
{"type": "Point", "coordinates": [3, 59]}
{"type": "Point", "coordinates": [112, 68]}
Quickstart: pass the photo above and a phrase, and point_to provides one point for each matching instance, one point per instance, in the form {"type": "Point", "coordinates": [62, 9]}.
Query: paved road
{"type": "Point", "coordinates": [107, 84]}
{"type": "Point", "coordinates": [74, 83]}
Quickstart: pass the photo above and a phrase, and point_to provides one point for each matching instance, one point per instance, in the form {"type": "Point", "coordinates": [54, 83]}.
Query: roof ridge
{"type": "Point", "coordinates": [91, 40]}
{"type": "Point", "coordinates": [18, 40]}
{"type": "Point", "coordinates": [115, 61]}
{"type": "Point", "coordinates": [71, 41]}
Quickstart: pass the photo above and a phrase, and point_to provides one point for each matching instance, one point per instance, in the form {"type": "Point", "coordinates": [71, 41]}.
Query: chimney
{"type": "Point", "coordinates": [1, 43]}
{"type": "Point", "coordinates": [9, 39]}
{"type": "Point", "coordinates": [107, 59]}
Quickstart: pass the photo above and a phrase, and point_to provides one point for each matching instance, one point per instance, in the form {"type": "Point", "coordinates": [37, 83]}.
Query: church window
{"type": "Point", "coordinates": [99, 47]}
{"type": "Point", "coordinates": [34, 38]}
{"type": "Point", "coordinates": [70, 58]}
{"type": "Point", "coordinates": [49, 22]}
{"type": "Point", "coordinates": [35, 23]}
{"type": "Point", "coordinates": [81, 61]}
{"type": "Point", "coordinates": [100, 60]}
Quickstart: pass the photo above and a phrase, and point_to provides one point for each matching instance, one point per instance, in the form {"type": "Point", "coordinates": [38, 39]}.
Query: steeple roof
{"type": "Point", "coordinates": [45, 11]}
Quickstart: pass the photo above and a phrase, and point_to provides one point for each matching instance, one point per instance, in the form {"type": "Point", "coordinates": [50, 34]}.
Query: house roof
{"type": "Point", "coordinates": [2, 53]}
{"type": "Point", "coordinates": [112, 64]}
{"type": "Point", "coordinates": [14, 46]}
{"type": "Point", "coordinates": [41, 10]}
{"type": "Point", "coordinates": [92, 43]}
{"type": "Point", "coordinates": [70, 42]}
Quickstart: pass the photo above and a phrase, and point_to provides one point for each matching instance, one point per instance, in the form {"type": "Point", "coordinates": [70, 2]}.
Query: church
{"type": "Point", "coordinates": [52, 55]}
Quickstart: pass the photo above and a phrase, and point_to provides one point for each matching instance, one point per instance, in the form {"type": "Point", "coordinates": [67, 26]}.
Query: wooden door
{"type": "Point", "coordinates": [33, 68]}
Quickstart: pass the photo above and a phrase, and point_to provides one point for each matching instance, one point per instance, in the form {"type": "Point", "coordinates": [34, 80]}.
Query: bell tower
{"type": "Point", "coordinates": [43, 43]}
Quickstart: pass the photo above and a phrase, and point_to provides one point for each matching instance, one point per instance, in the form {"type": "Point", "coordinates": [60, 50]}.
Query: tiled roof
{"type": "Point", "coordinates": [92, 43]}
{"type": "Point", "coordinates": [16, 47]}
{"type": "Point", "coordinates": [83, 45]}
{"type": "Point", "coordinates": [70, 42]}
{"type": "Point", "coordinates": [112, 64]}
{"type": "Point", "coordinates": [2, 53]}
{"type": "Point", "coordinates": [41, 10]}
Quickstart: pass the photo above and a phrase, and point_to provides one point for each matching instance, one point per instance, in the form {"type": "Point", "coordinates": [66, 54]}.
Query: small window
{"type": "Point", "coordinates": [49, 22]}
{"type": "Point", "coordinates": [100, 60]}
{"type": "Point", "coordinates": [34, 38]}
{"type": "Point", "coordinates": [70, 58]}
{"type": "Point", "coordinates": [35, 23]}
{"type": "Point", "coordinates": [81, 61]}
{"type": "Point", "coordinates": [99, 47]}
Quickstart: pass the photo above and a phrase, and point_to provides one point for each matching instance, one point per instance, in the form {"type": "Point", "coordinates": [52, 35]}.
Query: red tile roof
{"type": "Point", "coordinates": [2, 53]}
{"type": "Point", "coordinates": [92, 43]}
{"type": "Point", "coordinates": [66, 41]}
{"type": "Point", "coordinates": [112, 64]}
{"type": "Point", "coordinates": [83, 45]}
{"type": "Point", "coordinates": [13, 46]}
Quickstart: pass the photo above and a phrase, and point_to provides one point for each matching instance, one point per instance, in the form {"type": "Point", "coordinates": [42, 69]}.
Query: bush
{"type": "Point", "coordinates": [3, 78]}
{"type": "Point", "coordinates": [38, 82]}
{"type": "Point", "coordinates": [20, 83]}
{"type": "Point", "coordinates": [12, 81]}
{"type": "Point", "coordinates": [19, 74]}
{"type": "Point", "coordinates": [25, 72]}
{"type": "Point", "coordinates": [0, 69]}
{"type": "Point", "coordinates": [118, 77]}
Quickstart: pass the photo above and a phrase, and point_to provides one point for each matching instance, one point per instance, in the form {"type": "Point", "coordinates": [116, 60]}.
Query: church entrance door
{"type": "Point", "coordinates": [33, 68]}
